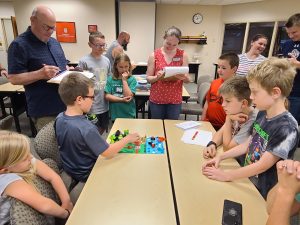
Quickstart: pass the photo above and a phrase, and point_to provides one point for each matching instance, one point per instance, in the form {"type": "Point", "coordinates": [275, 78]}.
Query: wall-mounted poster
{"type": "Point", "coordinates": [92, 28]}
{"type": "Point", "coordinates": [66, 32]}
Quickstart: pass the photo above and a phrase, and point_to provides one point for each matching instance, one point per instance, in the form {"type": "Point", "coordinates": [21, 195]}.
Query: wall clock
{"type": "Point", "coordinates": [197, 18]}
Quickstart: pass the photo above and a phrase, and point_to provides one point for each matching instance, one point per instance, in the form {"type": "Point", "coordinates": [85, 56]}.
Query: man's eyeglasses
{"type": "Point", "coordinates": [99, 45]}
{"type": "Point", "coordinates": [90, 97]}
{"type": "Point", "coordinates": [45, 26]}
{"type": "Point", "coordinates": [48, 28]}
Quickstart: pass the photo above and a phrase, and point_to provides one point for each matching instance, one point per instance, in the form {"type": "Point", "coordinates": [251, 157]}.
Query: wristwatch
{"type": "Point", "coordinates": [212, 143]}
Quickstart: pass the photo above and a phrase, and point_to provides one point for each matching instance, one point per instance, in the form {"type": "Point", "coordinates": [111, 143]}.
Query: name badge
{"type": "Point", "coordinates": [119, 89]}
{"type": "Point", "coordinates": [177, 59]}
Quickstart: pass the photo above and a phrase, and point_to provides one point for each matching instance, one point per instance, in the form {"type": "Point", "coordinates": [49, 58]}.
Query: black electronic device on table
{"type": "Point", "coordinates": [232, 213]}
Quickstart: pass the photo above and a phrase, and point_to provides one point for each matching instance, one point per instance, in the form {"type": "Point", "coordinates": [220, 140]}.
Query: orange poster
{"type": "Point", "coordinates": [92, 28]}
{"type": "Point", "coordinates": [66, 32]}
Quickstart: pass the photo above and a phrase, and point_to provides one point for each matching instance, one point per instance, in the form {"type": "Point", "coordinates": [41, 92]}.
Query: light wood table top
{"type": "Point", "coordinates": [185, 93]}
{"type": "Point", "coordinates": [129, 188]}
{"type": "Point", "coordinates": [9, 87]}
{"type": "Point", "coordinates": [199, 199]}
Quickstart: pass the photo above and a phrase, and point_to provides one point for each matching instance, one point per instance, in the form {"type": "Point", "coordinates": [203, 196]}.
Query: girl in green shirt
{"type": "Point", "coordinates": [120, 89]}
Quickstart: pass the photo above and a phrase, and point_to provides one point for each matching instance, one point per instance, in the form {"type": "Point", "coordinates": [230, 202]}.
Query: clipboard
{"type": "Point", "coordinates": [174, 70]}
{"type": "Point", "coordinates": [57, 79]}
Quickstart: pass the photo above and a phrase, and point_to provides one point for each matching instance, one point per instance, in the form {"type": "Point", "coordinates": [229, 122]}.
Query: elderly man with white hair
{"type": "Point", "coordinates": [33, 58]}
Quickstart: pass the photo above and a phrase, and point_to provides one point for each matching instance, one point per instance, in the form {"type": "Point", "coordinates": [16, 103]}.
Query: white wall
{"type": "Point", "coordinates": [83, 13]}
{"type": "Point", "coordinates": [213, 23]}
{"type": "Point", "coordinates": [102, 13]}
{"type": "Point", "coordinates": [268, 10]}
{"type": "Point", "coordinates": [138, 18]}
{"type": "Point", "coordinates": [6, 11]}
{"type": "Point", "coordinates": [181, 17]}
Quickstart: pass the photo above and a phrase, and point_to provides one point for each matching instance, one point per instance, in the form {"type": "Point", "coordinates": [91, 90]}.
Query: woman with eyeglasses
{"type": "Point", "coordinates": [166, 93]}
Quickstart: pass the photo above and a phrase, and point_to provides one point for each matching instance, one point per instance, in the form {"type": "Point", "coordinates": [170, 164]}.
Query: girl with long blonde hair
{"type": "Point", "coordinates": [17, 170]}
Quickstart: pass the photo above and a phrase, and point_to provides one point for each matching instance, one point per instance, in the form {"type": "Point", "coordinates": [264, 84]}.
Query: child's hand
{"type": "Point", "coordinates": [289, 176]}
{"type": "Point", "coordinates": [212, 163]}
{"type": "Point", "coordinates": [134, 137]}
{"type": "Point", "coordinates": [240, 117]}
{"type": "Point", "coordinates": [210, 152]}
{"type": "Point", "coordinates": [67, 205]}
{"type": "Point", "coordinates": [125, 75]}
{"type": "Point", "coordinates": [3, 73]}
{"type": "Point", "coordinates": [215, 174]}
{"type": "Point", "coordinates": [293, 60]}
{"type": "Point", "coordinates": [127, 99]}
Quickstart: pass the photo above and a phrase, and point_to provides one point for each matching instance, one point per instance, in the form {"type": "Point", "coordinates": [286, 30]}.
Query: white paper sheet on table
{"type": "Point", "coordinates": [202, 138]}
{"type": "Point", "coordinates": [173, 70]}
{"type": "Point", "coordinates": [57, 79]}
{"type": "Point", "coordinates": [188, 124]}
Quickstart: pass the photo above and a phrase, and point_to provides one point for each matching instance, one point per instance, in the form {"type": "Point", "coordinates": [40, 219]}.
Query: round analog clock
{"type": "Point", "coordinates": [197, 18]}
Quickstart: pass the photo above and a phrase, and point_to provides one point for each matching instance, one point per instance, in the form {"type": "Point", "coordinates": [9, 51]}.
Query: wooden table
{"type": "Point", "coordinates": [18, 101]}
{"type": "Point", "coordinates": [9, 87]}
{"type": "Point", "coordinates": [142, 96]}
{"type": "Point", "coordinates": [129, 188]}
{"type": "Point", "coordinates": [6, 89]}
{"type": "Point", "coordinates": [200, 200]}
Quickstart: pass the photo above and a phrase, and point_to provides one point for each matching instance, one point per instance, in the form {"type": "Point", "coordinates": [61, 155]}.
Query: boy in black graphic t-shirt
{"type": "Point", "coordinates": [275, 131]}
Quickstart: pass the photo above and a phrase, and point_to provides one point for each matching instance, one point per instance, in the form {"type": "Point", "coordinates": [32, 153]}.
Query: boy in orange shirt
{"type": "Point", "coordinates": [213, 110]}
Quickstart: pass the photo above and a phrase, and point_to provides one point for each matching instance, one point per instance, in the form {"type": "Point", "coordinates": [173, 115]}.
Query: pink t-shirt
{"type": "Point", "coordinates": [166, 92]}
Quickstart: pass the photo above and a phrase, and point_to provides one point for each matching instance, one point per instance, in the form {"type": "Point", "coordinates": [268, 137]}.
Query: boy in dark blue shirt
{"type": "Point", "coordinates": [80, 143]}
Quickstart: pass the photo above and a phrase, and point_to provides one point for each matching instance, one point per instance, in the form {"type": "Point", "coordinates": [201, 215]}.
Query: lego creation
{"type": "Point", "coordinates": [147, 145]}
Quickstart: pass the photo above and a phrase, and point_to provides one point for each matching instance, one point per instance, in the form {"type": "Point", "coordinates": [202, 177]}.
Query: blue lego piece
{"type": "Point", "coordinates": [154, 145]}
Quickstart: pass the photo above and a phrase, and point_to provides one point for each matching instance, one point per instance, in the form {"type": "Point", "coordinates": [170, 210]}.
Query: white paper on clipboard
{"type": "Point", "coordinates": [174, 70]}
{"type": "Point", "coordinates": [57, 79]}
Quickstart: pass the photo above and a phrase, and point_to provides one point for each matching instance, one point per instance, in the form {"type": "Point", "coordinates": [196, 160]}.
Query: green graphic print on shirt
{"type": "Point", "coordinates": [258, 144]}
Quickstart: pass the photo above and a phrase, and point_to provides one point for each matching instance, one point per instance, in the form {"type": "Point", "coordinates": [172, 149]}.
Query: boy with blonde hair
{"type": "Point", "coordinates": [212, 110]}
{"type": "Point", "coordinates": [80, 143]}
{"type": "Point", "coordinates": [240, 116]}
{"type": "Point", "coordinates": [275, 130]}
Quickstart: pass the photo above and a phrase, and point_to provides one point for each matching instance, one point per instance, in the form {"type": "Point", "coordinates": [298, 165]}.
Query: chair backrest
{"type": "Point", "coordinates": [203, 89]}
{"type": "Point", "coordinates": [202, 79]}
{"type": "Point", "coordinates": [20, 213]}
{"type": "Point", "coordinates": [6, 123]}
{"type": "Point", "coordinates": [45, 144]}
